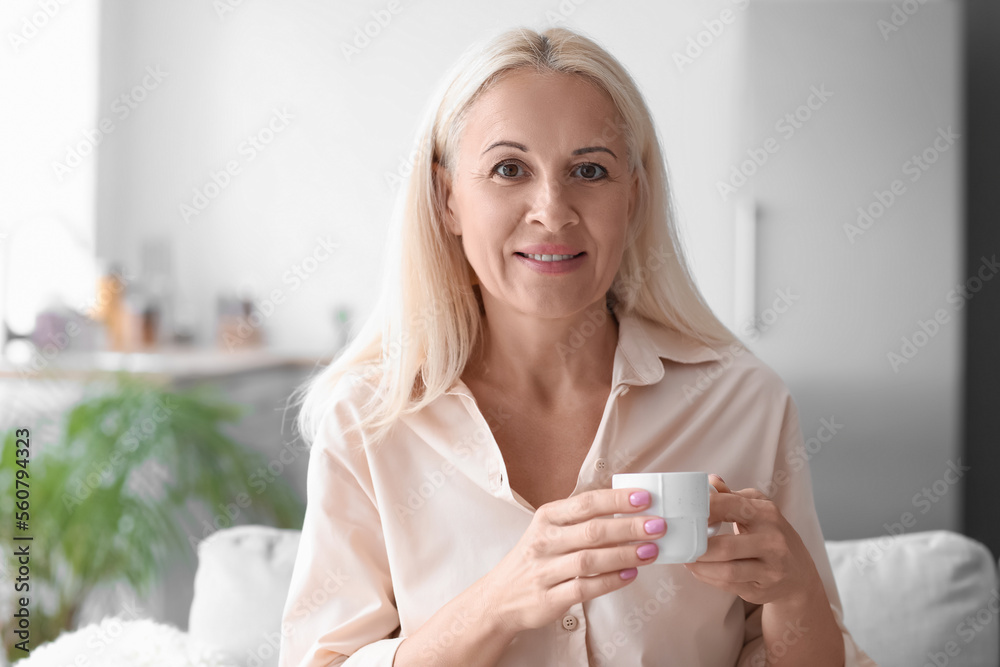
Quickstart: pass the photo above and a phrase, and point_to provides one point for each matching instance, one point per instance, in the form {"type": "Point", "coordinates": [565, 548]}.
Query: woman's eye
{"type": "Point", "coordinates": [592, 172]}
{"type": "Point", "coordinates": [588, 171]}
{"type": "Point", "coordinates": [508, 169]}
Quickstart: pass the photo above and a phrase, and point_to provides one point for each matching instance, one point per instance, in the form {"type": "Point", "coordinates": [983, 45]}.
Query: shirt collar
{"type": "Point", "coordinates": [641, 344]}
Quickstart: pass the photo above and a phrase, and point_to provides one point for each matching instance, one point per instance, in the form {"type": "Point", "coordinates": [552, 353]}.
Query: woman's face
{"type": "Point", "coordinates": [542, 170]}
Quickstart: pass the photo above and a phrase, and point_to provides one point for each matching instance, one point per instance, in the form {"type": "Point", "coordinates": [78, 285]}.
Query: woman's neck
{"type": "Point", "coordinates": [545, 359]}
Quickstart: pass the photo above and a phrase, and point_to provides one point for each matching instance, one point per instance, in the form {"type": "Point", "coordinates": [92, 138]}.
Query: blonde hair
{"type": "Point", "coordinates": [427, 321]}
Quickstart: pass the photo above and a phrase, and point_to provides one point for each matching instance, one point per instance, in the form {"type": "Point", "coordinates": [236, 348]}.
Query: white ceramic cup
{"type": "Point", "coordinates": [681, 498]}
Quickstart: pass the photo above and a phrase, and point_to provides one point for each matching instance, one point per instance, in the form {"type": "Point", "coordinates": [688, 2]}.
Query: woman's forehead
{"type": "Point", "coordinates": [549, 107]}
{"type": "Point", "coordinates": [542, 88]}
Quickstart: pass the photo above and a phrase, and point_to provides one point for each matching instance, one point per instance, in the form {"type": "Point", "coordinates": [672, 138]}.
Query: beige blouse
{"type": "Point", "coordinates": [392, 533]}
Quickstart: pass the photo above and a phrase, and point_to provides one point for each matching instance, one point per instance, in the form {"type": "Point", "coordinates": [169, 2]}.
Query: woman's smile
{"type": "Point", "coordinates": [552, 264]}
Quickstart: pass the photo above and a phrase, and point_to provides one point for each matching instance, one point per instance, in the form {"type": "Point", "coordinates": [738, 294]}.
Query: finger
{"type": "Point", "coordinates": [751, 492]}
{"type": "Point", "coordinates": [601, 532]}
{"type": "Point", "coordinates": [735, 508]}
{"type": "Point", "coordinates": [732, 547]}
{"type": "Point", "coordinates": [591, 504]}
{"type": "Point", "coordinates": [719, 483]}
{"type": "Point", "coordinates": [745, 591]}
{"type": "Point", "coordinates": [732, 571]}
{"type": "Point", "coordinates": [591, 562]}
{"type": "Point", "coordinates": [575, 591]}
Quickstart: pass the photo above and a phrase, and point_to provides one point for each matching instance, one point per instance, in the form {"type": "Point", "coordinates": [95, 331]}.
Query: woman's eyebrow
{"type": "Point", "coordinates": [578, 151]}
{"type": "Point", "coordinates": [505, 143]}
{"type": "Point", "coordinates": [594, 149]}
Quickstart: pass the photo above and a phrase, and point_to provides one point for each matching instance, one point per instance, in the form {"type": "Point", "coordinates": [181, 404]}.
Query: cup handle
{"type": "Point", "coordinates": [713, 529]}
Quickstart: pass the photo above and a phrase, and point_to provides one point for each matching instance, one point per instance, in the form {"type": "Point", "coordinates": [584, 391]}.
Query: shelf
{"type": "Point", "coordinates": [171, 364]}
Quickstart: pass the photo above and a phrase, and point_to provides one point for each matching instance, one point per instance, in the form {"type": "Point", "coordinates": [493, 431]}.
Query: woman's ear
{"type": "Point", "coordinates": [442, 185]}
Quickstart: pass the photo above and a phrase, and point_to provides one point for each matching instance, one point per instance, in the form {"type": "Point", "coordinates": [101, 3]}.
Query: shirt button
{"type": "Point", "coordinates": [569, 622]}
{"type": "Point", "coordinates": [600, 464]}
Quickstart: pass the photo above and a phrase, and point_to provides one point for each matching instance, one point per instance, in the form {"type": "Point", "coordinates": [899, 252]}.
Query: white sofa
{"type": "Point", "coordinates": [923, 599]}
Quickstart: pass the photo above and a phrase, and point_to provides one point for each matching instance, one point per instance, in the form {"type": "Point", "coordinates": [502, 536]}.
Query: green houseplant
{"type": "Point", "coordinates": [116, 497]}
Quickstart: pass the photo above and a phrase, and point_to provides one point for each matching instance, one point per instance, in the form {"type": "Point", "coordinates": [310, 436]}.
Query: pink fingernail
{"type": "Point", "coordinates": [654, 526]}
{"type": "Point", "coordinates": [647, 551]}
{"type": "Point", "coordinates": [629, 573]}
{"type": "Point", "coordinates": [639, 498]}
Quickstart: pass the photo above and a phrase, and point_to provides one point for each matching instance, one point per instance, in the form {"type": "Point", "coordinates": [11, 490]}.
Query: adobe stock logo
{"type": "Point", "coordinates": [915, 167]}
{"type": "Point", "coordinates": [565, 9]}
{"type": "Point", "coordinates": [704, 39]}
{"type": "Point", "coordinates": [635, 619]}
{"type": "Point", "coordinates": [218, 181]}
{"type": "Point", "coordinates": [926, 330]}
{"type": "Point", "coordinates": [32, 25]}
{"type": "Point", "coordinates": [901, 13]}
{"type": "Point", "coordinates": [787, 126]}
{"type": "Point", "coordinates": [363, 35]}
{"type": "Point", "coordinates": [122, 107]}
{"type": "Point", "coordinates": [924, 501]}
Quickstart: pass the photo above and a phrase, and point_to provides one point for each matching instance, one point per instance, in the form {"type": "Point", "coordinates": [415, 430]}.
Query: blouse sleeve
{"type": "Point", "coordinates": [340, 608]}
{"type": "Point", "coordinates": [791, 490]}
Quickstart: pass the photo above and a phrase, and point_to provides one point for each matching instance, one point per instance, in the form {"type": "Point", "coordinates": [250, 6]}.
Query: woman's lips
{"type": "Point", "coordinates": [549, 249]}
{"type": "Point", "coordinates": [553, 267]}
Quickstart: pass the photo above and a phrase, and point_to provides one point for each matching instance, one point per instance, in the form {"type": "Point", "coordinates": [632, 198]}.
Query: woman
{"type": "Point", "coordinates": [459, 502]}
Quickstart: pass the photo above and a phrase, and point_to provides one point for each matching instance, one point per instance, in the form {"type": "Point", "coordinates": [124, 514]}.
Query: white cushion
{"type": "Point", "coordinates": [907, 601]}
{"type": "Point", "coordinates": [240, 590]}
{"type": "Point", "coordinates": [125, 642]}
{"type": "Point", "coordinates": [926, 598]}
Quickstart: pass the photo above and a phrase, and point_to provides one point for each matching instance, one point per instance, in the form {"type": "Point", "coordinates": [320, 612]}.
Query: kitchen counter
{"type": "Point", "coordinates": [177, 364]}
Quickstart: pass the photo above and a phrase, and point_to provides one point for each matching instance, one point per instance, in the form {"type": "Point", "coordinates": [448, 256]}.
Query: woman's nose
{"type": "Point", "coordinates": [552, 203]}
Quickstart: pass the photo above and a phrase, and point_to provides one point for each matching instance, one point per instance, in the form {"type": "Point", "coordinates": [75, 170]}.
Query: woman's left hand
{"type": "Point", "coordinates": [765, 561]}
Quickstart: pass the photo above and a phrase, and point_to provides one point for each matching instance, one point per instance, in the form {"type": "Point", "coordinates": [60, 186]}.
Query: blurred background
{"type": "Point", "coordinates": [195, 194]}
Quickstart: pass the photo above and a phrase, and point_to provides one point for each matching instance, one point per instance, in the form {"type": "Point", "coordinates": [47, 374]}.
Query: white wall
{"type": "Point", "coordinates": [353, 122]}
{"type": "Point", "coordinates": [860, 289]}
{"type": "Point", "coordinates": [49, 126]}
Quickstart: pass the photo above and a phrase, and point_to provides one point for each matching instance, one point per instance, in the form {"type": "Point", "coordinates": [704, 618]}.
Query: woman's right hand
{"type": "Point", "coordinates": [571, 553]}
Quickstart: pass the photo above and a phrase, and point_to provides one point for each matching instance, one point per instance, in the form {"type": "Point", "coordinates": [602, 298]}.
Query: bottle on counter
{"type": "Point", "coordinates": [236, 328]}
{"type": "Point", "coordinates": [109, 306]}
